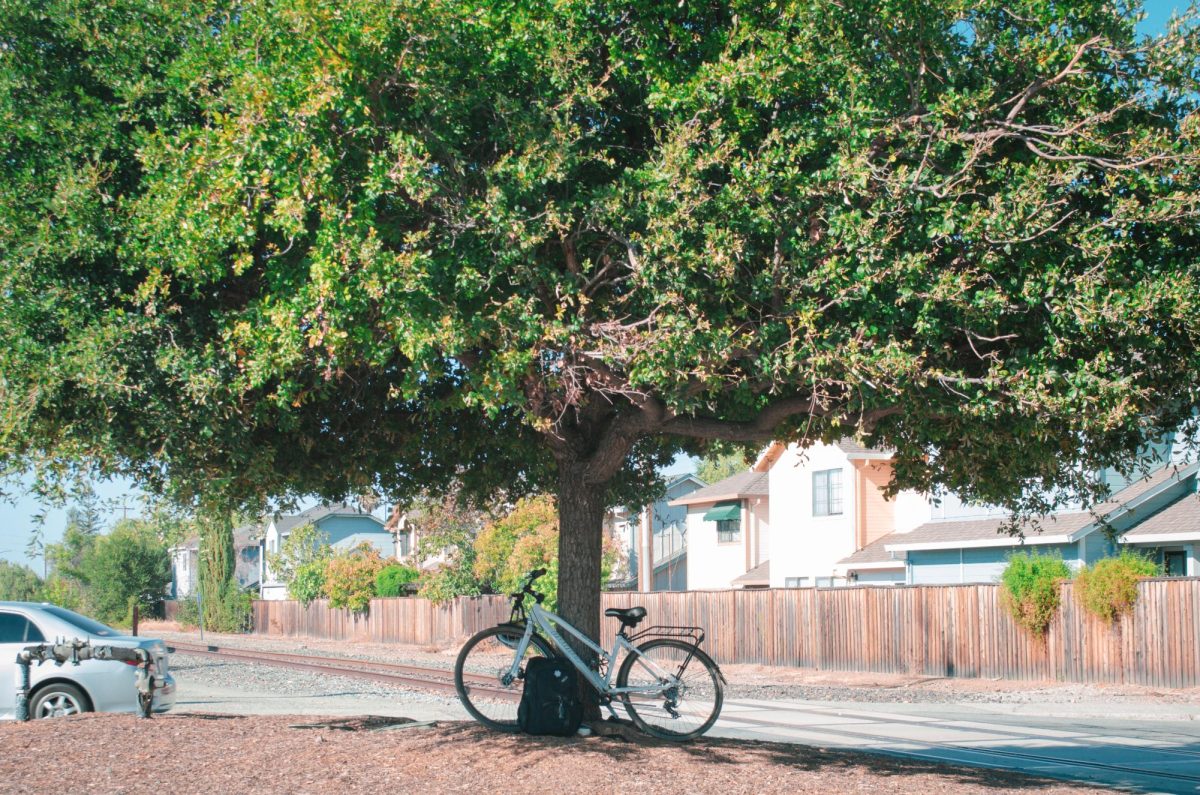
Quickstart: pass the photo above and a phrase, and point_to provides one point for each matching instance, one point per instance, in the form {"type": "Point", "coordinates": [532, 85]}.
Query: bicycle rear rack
{"type": "Point", "coordinates": [693, 634]}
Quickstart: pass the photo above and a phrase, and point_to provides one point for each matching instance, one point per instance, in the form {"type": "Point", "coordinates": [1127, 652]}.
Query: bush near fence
{"type": "Point", "coordinates": [953, 630]}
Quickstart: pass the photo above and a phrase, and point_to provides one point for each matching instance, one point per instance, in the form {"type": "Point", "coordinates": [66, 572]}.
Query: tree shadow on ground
{"type": "Point", "coordinates": [740, 753]}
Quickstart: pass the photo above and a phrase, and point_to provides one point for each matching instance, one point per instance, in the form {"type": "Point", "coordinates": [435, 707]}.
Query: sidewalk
{"type": "Point", "coordinates": [1083, 744]}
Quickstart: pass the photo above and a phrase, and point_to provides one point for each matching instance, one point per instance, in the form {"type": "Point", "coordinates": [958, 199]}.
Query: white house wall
{"type": "Point", "coordinates": [183, 566]}
{"type": "Point", "coordinates": [803, 545]}
{"type": "Point", "coordinates": [760, 522]}
{"type": "Point", "coordinates": [911, 510]}
{"type": "Point", "coordinates": [711, 564]}
{"type": "Point", "coordinates": [880, 577]}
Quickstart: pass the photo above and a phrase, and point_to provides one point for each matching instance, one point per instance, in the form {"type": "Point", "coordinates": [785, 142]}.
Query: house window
{"type": "Point", "coordinates": [1174, 563]}
{"type": "Point", "coordinates": [827, 492]}
{"type": "Point", "coordinates": [795, 582]}
{"type": "Point", "coordinates": [728, 518]}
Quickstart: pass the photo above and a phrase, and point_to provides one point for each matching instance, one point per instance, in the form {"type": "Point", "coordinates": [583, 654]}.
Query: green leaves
{"type": "Point", "coordinates": [285, 248]}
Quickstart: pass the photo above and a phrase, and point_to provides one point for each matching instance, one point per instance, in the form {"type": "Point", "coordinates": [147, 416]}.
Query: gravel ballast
{"type": "Point", "coordinates": [744, 681]}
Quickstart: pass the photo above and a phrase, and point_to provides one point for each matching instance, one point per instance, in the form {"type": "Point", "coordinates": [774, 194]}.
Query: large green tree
{"type": "Point", "coordinates": [127, 565]}
{"type": "Point", "coordinates": [282, 247]}
{"type": "Point", "coordinates": [18, 583]}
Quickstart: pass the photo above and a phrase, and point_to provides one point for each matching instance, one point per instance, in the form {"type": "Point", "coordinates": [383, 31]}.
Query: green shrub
{"type": "Point", "coordinates": [308, 582]}
{"type": "Point", "coordinates": [230, 611]}
{"type": "Point", "coordinates": [128, 563]}
{"type": "Point", "coordinates": [63, 592]}
{"type": "Point", "coordinates": [19, 583]}
{"type": "Point", "coordinates": [187, 613]}
{"type": "Point", "coordinates": [350, 577]}
{"type": "Point", "coordinates": [392, 579]}
{"type": "Point", "coordinates": [1030, 589]}
{"type": "Point", "coordinates": [1108, 587]}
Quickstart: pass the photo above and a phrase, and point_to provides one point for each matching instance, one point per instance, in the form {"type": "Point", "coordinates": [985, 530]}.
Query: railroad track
{"type": "Point", "coordinates": [426, 678]}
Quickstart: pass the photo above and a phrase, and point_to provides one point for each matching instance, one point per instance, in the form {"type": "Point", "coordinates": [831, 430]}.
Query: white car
{"type": "Point", "coordinates": [67, 689]}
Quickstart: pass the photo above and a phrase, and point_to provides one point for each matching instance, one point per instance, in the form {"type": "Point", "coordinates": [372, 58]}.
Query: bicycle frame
{"type": "Point", "coordinates": [540, 618]}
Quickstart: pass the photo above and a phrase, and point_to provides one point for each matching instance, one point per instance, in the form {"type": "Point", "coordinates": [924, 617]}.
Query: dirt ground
{"type": "Point", "coordinates": [194, 753]}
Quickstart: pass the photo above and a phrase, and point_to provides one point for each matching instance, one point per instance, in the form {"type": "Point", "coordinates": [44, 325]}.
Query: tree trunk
{"type": "Point", "coordinates": [580, 544]}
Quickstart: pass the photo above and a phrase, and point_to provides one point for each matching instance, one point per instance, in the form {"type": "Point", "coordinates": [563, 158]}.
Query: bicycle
{"type": "Point", "coordinates": [669, 687]}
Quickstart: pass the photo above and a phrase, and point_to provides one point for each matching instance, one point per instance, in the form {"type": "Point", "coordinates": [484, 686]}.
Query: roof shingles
{"type": "Point", "coordinates": [1059, 524]}
{"type": "Point", "coordinates": [1181, 518]}
{"type": "Point", "coordinates": [735, 487]}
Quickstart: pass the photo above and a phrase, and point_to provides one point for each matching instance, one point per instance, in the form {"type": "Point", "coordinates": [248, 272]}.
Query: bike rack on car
{"type": "Point", "coordinates": [76, 651]}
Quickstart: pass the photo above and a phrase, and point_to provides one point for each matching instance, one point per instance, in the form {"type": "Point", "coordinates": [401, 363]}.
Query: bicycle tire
{"type": "Point", "coordinates": [491, 652]}
{"type": "Point", "coordinates": [700, 679]}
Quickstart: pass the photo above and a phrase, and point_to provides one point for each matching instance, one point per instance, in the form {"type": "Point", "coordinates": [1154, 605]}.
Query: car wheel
{"type": "Point", "coordinates": [56, 700]}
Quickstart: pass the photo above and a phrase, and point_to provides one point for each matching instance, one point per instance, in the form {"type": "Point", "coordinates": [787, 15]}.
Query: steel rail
{"type": "Point", "coordinates": [439, 679]}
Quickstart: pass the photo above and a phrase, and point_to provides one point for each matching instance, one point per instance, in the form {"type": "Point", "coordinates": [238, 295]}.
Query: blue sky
{"type": "Point", "coordinates": [17, 518]}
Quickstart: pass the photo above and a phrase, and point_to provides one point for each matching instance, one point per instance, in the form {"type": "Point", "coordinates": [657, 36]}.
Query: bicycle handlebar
{"type": "Point", "coordinates": [527, 586]}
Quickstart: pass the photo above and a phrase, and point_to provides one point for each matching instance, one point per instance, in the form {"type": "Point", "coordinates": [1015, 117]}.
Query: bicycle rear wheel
{"type": "Point", "coordinates": [482, 668]}
{"type": "Point", "coordinates": [691, 694]}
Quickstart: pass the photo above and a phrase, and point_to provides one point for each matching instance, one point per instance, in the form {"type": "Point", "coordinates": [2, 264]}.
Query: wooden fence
{"type": "Point", "coordinates": [958, 630]}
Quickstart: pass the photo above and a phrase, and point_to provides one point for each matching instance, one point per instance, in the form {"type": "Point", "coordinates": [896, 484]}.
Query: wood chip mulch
{"type": "Point", "coordinates": [217, 754]}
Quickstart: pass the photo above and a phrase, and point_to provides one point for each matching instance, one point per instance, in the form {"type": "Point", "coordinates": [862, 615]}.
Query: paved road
{"type": "Point", "coordinates": [1131, 750]}
{"type": "Point", "coordinates": [1141, 754]}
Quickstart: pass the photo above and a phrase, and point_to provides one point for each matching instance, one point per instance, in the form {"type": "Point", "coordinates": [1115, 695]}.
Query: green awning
{"type": "Point", "coordinates": [724, 511]}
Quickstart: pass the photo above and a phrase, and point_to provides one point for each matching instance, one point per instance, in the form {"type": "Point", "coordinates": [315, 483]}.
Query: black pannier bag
{"type": "Point", "coordinates": [550, 701]}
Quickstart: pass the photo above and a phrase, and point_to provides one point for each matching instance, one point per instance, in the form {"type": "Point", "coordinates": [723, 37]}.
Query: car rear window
{"type": "Point", "coordinates": [81, 622]}
{"type": "Point", "coordinates": [16, 628]}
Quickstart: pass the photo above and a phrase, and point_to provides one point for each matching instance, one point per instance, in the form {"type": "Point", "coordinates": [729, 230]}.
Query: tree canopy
{"type": "Point", "coordinates": [279, 247]}
{"type": "Point", "coordinates": [19, 583]}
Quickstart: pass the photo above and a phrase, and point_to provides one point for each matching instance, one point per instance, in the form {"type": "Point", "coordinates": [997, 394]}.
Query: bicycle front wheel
{"type": "Point", "coordinates": [683, 694]}
{"type": "Point", "coordinates": [481, 675]}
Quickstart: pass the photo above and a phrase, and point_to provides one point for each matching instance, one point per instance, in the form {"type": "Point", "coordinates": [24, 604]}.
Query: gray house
{"type": "Point", "coordinates": [185, 562]}
{"type": "Point", "coordinates": [1158, 515]}
{"type": "Point", "coordinates": [654, 541]}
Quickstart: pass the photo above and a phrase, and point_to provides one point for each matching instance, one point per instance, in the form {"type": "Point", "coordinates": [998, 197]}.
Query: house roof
{"type": "Point", "coordinates": [874, 555]}
{"type": "Point", "coordinates": [735, 487]}
{"type": "Point", "coordinates": [284, 524]}
{"type": "Point", "coordinates": [244, 536]}
{"type": "Point", "coordinates": [759, 575]}
{"type": "Point", "coordinates": [1179, 521]}
{"type": "Point", "coordinates": [1057, 528]}
{"type": "Point", "coordinates": [675, 481]}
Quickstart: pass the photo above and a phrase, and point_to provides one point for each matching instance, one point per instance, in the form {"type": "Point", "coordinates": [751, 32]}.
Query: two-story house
{"type": "Point", "coordinates": [790, 519]}
{"type": "Point", "coordinates": [827, 502]}
{"type": "Point", "coordinates": [728, 526]}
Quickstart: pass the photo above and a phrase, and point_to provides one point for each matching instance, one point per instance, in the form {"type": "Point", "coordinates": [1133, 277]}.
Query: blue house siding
{"type": "Point", "coordinates": [383, 543]}
{"type": "Point", "coordinates": [955, 566]}
{"type": "Point", "coordinates": [337, 528]}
